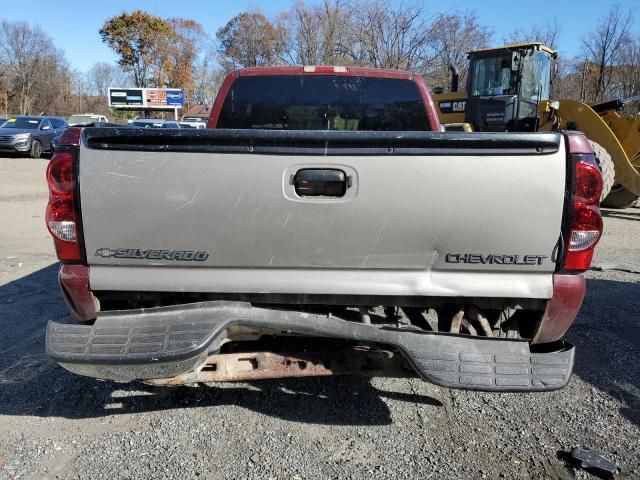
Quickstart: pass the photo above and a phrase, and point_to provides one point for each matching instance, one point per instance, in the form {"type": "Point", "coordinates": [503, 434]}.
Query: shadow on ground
{"type": "Point", "coordinates": [607, 339]}
{"type": "Point", "coordinates": [632, 213]}
{"type": "Point", "coordinates": [606, 334]}
{"type": "Point", "coordinates": [30, 384]}
{"type": "Point", "coordinates": [44, 156]}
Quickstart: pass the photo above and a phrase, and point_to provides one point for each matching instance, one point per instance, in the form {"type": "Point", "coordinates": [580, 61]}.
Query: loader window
{"type": "Point", "coordinates": [323, 102]}
{"type": "Point", "coordinates": [493, 76]}
{"type": "Point", "coordinates": [536, 76]}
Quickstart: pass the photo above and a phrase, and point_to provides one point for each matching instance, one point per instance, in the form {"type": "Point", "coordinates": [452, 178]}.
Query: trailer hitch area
{"type": "Point", "coordinates": [248, 366]}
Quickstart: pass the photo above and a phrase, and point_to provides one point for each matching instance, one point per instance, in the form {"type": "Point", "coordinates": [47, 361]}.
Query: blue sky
{"type": "Point", "coordinates": [74, 24]}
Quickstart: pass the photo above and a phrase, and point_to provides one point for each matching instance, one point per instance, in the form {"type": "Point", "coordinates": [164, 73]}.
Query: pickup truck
{"type": "Point", "coordinates": [322, 224]}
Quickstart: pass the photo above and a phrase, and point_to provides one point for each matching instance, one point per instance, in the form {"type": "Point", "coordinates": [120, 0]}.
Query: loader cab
{"type": "Point", "coordinates": [506, 85]}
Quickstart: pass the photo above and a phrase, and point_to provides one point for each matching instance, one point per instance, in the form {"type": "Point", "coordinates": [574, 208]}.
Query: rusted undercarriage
{"type": "Point", "coordinates": [247, 366]}
{"type": "Point", "coordinates": [263, 356]}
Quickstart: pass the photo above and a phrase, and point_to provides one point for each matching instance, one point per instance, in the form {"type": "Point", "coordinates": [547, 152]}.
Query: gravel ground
{"type": "Point", "coordinates": [57, 425]}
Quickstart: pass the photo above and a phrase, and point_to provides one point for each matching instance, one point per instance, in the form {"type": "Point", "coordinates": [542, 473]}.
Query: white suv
{"type": "Point", "coordinates": [82, 118]}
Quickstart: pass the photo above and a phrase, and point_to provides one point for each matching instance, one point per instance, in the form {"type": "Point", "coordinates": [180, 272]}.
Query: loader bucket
{"type": "Point", "coordinates": [575, 114]}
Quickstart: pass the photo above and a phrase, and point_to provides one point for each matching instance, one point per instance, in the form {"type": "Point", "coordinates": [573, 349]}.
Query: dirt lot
{"type": "Point", "coordinates": [57, 425]}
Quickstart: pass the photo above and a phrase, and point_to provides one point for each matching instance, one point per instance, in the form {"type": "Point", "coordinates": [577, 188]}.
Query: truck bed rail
{"type": "Point", "coordinates": [321, 142]}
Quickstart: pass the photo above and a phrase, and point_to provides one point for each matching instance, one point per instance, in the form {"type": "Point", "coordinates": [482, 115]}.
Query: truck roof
{"type": "Point", "coordinates": [324, 70]}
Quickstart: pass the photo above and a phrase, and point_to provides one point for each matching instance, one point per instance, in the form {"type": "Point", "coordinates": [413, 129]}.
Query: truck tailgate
{"type": "Point", "coordinates": [425, 213]}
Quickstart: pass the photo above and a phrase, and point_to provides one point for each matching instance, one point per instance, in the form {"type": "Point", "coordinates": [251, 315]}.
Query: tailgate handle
{"type": "Point", "coordinates": [321, 182]}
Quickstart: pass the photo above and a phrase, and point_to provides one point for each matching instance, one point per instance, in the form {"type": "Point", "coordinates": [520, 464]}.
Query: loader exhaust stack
{"type": "Point", "coordinates": [455, 75]}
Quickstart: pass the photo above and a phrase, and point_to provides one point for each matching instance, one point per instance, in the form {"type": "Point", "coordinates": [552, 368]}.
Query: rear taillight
{"type": "Point", "coordinates": [588, 180]}
{"type": "Point", "coordinates": [586, 221]}
{"type": "Point", "coordinates": [61, 217]}
{"type": "Point", "coordinates": [60, 174]}
{"type": "Point", "coordinates": [61, 220]}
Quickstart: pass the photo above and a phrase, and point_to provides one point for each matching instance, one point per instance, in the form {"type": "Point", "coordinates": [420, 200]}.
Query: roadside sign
{"type": "Point", "coordinates": [126, 97]}
{"type": "Point", "coordinates": [175, 97]}
{"type": "Point", "coordinates": [146, 97]}
{"type": "Point", "coordinates": [164, 97]}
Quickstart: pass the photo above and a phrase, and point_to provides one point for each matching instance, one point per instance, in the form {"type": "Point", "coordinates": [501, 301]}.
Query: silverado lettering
{"type": "Point", "coordinates": [184, 255]}
{"type": "Point", "coordinates": [476, 258]}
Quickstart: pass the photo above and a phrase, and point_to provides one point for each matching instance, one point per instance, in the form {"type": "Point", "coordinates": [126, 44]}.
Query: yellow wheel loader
{"type": "Point", "coordinates": [509, 89]}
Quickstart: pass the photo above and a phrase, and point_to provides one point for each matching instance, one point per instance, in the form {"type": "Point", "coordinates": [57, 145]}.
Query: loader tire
{"type": "Point", "coordinates": [619, 197]}
{"type": "Point", "coordinates": [606, 167]}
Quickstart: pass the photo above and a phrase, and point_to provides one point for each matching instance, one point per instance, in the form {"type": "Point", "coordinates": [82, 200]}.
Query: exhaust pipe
{"type": "Point", "coordinates": [454, 77]}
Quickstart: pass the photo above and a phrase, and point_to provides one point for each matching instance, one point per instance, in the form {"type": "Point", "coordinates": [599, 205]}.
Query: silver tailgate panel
{"type": "Point", "coordinates": [390, 235]}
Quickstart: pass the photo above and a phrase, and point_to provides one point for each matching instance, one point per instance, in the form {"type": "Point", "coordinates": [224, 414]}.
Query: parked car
{"type": "Point", "coordinates": [2, 120]}
{"type": "Point", "coordinates": [257, 248]}
{"type": "Point", "coordinates": [56, 140]}
{"type": "Point", "coordinates": [154, 123]}
{"type": "Point", "coordinates": [194, 122]}
{"type": "Point", "coordinates": [197, 126]}
{"type": "Point", "coordinates": [30, 134]}
{"type": "Point", "coordinates": [84, 118]}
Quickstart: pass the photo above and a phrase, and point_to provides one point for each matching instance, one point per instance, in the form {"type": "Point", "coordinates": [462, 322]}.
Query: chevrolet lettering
{"type": "Point", "coordinates": [476, 258]}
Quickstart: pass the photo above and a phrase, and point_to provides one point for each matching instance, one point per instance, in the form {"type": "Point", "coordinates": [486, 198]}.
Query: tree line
{"type": "Point", "coordinates": [37, 78]}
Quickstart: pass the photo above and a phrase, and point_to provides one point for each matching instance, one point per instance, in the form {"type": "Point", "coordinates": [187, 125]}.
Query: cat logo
{"type": "Point", "coordinates": [449, 106]}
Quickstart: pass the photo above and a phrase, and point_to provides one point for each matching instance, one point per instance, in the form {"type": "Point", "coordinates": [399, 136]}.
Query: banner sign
{"type": "Point", "coordinates": [125, 97]}
{"type": "Point", "coordinates": [163, 97]}
{"type": "Point", "coordinates": [146, 97]}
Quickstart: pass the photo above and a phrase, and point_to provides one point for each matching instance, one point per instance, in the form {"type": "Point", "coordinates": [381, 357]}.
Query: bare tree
{"type": "Point", "coordinates": [628, 74]}
{"type": "Point", "coordinates": [28, 54]}
{"type": "Point", "coordinates": [102, 76]}
{"type": "Point", "coordinates": [337, 20]}
{"type": "Point", "coordinates": [317, 34]}
{"type": "Point", "coordinates": [300, 31]}
{"type": "Point", "coordinates": [207, 78]}
{"type": "Point", "coordinates": [390, 35]}
{"type": "Point", "coordinates": [381, 34]}
{"type": "Point", "coordinates": [453, 36]}
{"type": "Point", "coordinates": [603, 48]}
{"type": "Point", "coordinates": [249, 40]}
{"type": "Point", "coordinates": [548, 34]}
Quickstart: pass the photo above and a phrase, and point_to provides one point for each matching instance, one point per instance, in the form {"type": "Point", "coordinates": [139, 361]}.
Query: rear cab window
{"type": "Point", "coordinates": [323, 102]}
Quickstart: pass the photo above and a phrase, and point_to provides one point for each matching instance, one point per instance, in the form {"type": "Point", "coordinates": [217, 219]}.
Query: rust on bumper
{"type": "Point", "coordinates": [238, 367]}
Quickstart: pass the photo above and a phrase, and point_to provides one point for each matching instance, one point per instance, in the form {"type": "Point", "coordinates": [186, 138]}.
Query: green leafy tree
{"type": "Point", "coordinates": [138, 38]}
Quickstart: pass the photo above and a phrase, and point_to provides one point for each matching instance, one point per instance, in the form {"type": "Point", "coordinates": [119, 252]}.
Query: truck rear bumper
{"type": "Point", "coordinates": [170, 341]}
